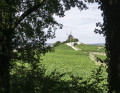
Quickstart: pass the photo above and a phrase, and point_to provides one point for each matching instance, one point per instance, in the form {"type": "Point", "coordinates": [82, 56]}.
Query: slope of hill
{"type": "Point", "coordinates": [76, 64]}
{"type": "Point", "coordinates": [91, 48]}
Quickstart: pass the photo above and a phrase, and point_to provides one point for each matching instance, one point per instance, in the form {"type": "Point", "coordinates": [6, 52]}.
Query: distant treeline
{"type": "Point", "coordinates": [96, 44]}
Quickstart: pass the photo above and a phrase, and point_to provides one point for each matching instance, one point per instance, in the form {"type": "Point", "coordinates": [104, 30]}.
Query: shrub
{"type": "Point", "coordinates": [75, 44]}
{"type": "Point", "coordinates": [56, 44]}
{"type": "Point", "coordinates": [75, 40]}
{"type": "Point", "coordinates": [72, 40]}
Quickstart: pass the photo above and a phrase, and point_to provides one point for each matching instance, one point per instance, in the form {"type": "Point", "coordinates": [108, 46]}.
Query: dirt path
{"type": "Point", "coordinates": [72, 45]}
{"type": "Point", "coordinates": [91, 54]}
{"type": "Point", "coordinates": [92, 57]}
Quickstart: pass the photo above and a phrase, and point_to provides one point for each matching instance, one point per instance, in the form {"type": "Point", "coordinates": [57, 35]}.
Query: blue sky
{"type": "Point", "coordinates": [81, 24]}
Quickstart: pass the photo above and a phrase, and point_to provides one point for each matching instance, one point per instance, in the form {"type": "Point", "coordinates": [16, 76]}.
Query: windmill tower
{"type": "Point", "coordinates": [70, 37]}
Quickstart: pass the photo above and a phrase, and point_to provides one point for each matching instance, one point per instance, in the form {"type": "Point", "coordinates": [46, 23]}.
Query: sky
{"type": "Point", "coordinates": [80, 24]}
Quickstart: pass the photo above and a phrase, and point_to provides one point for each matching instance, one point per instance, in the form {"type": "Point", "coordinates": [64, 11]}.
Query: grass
{"type": "Point", "coordinates": [67, 60]}
{"type": "Point", "coordinates": [91, 48]}
{"type": "Point", "coordinates": [79, 71]}
{"type": "Point", "coordinates": [102, 57]}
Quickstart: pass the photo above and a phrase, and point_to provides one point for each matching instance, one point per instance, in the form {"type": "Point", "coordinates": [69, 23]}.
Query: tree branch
{"type": "Point", "coordinates": [27, 12]}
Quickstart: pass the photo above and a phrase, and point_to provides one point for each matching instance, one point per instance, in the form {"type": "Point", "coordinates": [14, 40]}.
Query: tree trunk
{"type": "Point", "coordinates": [5, 51]}
{"type": "Point", "coordinates": [111, 10]}
{"type": "Point", "coordinates": [4, 74]}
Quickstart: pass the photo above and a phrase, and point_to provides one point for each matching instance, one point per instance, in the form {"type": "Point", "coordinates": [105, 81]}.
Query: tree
{"type": "Point", "coordinates": [111, 29]}
{"type": "Point", "coordinates": [56, 43]}
{"type": "Point", "coordinates": [22, 24]}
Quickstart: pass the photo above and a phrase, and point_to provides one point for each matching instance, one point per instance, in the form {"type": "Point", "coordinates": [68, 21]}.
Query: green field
{"type": "Point", "coordinates": [66, 60]}
{"type": "Point", "coordinates": [91, 48]}
{"type": "Point", "coordinates": [75, 63]}
{"type": "Point", "coordinates": [62, 71]}
{"type": "Point", "coordinates": [102, 57]}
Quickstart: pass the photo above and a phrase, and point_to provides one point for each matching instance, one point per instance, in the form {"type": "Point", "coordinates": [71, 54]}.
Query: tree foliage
{"type": "Point", "coordinates": [110, 28]}
{"type": "Point", "coordinates": [56, 43]}
{"type": "Point", "coordinates": [25, 25]}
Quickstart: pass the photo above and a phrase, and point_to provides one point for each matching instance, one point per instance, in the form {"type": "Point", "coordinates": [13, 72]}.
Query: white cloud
{"type": "Point", "coordinates": [81, 24]}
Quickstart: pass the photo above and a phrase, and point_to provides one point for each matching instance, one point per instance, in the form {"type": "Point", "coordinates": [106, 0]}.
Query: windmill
{"type": "Point", "coordinates": [70, 37]}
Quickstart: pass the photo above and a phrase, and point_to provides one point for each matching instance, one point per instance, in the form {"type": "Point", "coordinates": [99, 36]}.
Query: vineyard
{"type": "Point", "coordinates": [77, 64]}
{"type": "Point", "coordinates": [62, 71]}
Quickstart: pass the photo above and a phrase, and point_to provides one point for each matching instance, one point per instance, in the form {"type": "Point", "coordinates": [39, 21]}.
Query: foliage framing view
{"type": "Point", "coordinates": [17, 17]}
{"type": "Point", "coordinates": [22, 24]}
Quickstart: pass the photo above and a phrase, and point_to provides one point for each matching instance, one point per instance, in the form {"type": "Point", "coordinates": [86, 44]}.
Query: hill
{"type": "Point", "coordinates": [76, 65]}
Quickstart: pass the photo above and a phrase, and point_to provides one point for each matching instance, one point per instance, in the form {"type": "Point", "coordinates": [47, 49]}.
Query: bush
{"type": "Point", "coordinates": [75, 40]}
{"type": "Point", "coordinates": [75, 44]}
{"type": "Point", "coordinates": [72, 40]}
{"type": "Point", "coordinates": [56, 44]}
{"type": "Point", "coordinates": [31, 78]}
